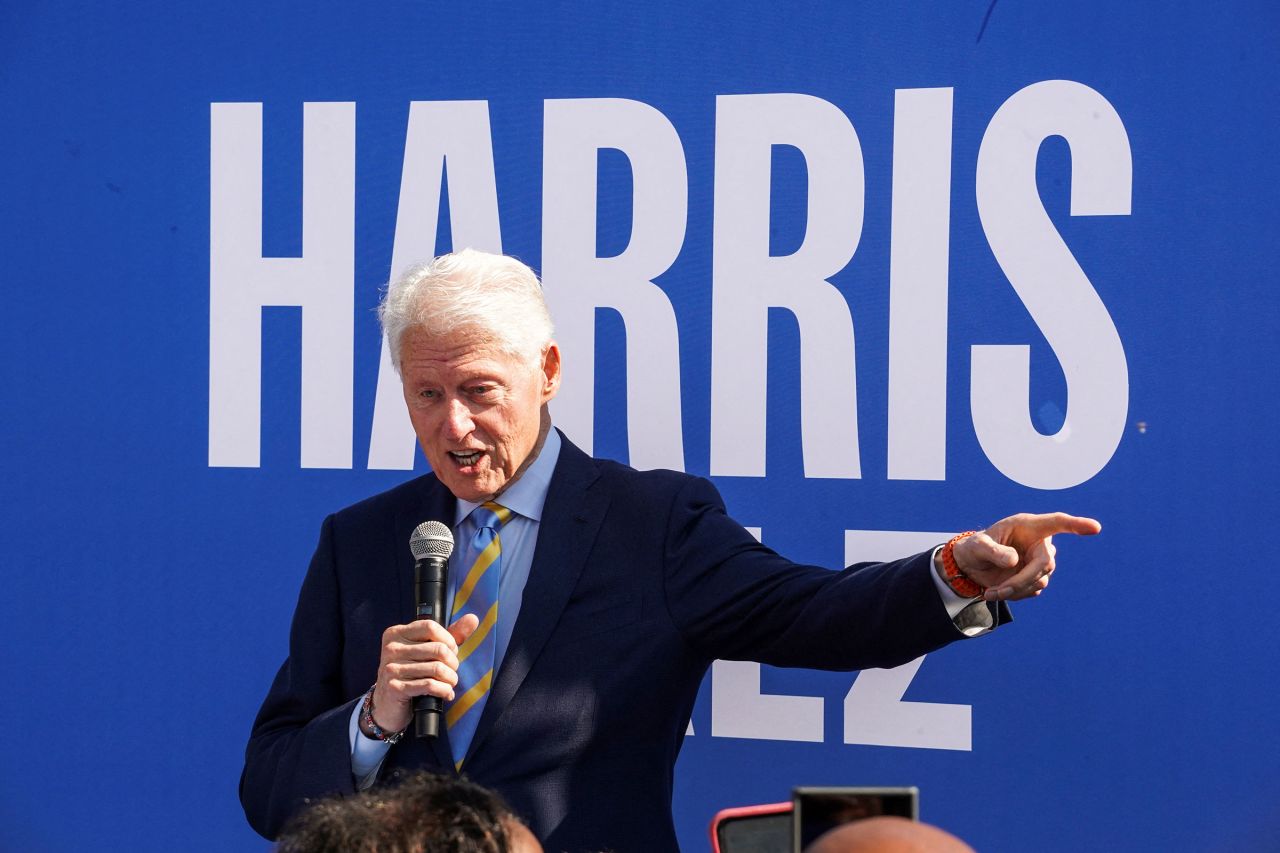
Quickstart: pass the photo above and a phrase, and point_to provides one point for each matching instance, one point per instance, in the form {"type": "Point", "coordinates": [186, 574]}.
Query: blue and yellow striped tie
{"type": "Point", "coordinates": [478, 594]}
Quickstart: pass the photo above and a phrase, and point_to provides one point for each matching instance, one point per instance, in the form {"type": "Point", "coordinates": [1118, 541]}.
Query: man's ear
{"type": "Point", "coordinates": [550, 371]}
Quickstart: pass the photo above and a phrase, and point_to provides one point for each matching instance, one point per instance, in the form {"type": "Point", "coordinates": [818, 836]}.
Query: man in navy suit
{"type": "Point", "coordinates": [612, 591]}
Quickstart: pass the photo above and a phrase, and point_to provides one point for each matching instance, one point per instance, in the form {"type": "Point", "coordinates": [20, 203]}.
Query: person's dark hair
{"type": "Point", "coordinates": [425, 813]}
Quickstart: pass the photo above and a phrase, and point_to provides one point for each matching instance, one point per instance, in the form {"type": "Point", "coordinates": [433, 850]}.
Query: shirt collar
{"type": "Point", "coordinates": [528, 493]}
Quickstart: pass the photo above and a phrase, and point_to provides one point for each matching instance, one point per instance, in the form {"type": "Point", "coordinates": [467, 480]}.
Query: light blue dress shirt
{"type": "Point", "coordinates": [525, 498]}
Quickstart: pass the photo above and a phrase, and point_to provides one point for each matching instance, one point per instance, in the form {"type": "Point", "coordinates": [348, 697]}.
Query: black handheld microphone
{"type": "Point", "coordinates": [431, 544]}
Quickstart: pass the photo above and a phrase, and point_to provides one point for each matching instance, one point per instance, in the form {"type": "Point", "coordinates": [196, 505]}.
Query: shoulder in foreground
{"type": "Point", "coordinates": [659, 484]}
{"type": "Point", "coordinates": [654, 477]}
{"type": "Point", "coordinates": [578, 466]}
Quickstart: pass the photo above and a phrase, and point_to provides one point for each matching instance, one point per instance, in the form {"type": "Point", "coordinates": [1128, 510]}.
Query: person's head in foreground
{"type": "Point", "coordinates": [424, 814]}
{"type": "Point", "coordinates": [887, 835]}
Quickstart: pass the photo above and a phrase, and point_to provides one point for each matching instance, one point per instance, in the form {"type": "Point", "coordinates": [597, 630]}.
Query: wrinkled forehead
{"type": "Point", "coordinates": [469, 335]}
{"type": "Point", "coordinates": [458, 346]}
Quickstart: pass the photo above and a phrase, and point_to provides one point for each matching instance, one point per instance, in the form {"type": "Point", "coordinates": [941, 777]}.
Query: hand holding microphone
{"type": "Point", "coordinates": [418, 666]}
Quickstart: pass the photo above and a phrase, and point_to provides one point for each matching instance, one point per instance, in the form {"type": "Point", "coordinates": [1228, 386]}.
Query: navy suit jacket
{"type": "Point", "coordinates": [639, 581]}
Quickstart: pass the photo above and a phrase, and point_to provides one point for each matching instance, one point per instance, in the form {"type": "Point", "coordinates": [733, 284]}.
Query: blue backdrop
{"type": "Point", "coordinates": [152, 556]}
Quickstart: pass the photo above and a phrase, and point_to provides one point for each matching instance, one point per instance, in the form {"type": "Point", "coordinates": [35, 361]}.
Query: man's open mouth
{"type": "Point", "coordinates": [466, 458]}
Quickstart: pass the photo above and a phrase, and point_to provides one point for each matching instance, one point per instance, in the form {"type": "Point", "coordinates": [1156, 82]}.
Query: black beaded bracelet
{"type": "Point", "coordinates": [376, 731]}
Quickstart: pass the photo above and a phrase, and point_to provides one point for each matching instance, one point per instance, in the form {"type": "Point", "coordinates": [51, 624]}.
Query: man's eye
{"type": "Point", "coordinates": [428, 394]}
{"type": "Point", "coordinates": [481, 390]}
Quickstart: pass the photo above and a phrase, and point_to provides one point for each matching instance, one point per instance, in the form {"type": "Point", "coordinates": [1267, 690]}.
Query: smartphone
{"type": "Point", "coordinates": [752, 829]}
{"type": "Point", "coordinates": [817, 810]}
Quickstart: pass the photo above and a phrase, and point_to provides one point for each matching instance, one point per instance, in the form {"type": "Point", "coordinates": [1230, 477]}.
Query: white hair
{"type": "Point", "coordinates": [493, 296]}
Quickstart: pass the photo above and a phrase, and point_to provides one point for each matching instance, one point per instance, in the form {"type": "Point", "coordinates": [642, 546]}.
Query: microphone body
{"type": "Point", "coordinates": [431, 545]}
{"type": "Point", "coordinates": [430, 581]}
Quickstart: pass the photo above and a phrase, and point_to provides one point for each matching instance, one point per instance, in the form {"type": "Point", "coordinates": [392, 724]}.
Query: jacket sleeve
{"type": "Point", "coordinates": [299, 748]}
{"type": "Point", "coordinates": [735, 599]}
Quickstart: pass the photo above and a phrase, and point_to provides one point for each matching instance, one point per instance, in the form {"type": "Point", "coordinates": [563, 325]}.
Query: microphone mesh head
{"type": "Point", "coordinates": [431, 539]}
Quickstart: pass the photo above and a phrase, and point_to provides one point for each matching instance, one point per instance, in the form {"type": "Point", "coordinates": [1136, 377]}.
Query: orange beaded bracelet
{"type": "Point", "coordinates": [956, 579]}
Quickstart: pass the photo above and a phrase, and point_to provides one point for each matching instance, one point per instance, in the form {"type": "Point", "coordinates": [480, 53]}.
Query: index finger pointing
{"type": "Point", "coordinates": [1060, 522]}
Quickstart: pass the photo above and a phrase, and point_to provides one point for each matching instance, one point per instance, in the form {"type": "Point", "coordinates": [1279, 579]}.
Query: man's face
{"type": "Point", "coordinates": [477, 411]}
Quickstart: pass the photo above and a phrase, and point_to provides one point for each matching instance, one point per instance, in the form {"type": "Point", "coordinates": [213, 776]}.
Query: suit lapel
{"type": "Point", "coordinates": [434, 503]}
{"type": "Point", "coordinates": [566, 533]}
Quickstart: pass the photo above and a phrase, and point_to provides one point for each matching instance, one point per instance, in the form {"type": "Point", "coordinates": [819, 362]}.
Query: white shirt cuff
{"type": "Point", "coordinates": [970, 615]}
{"type": "Point", "coordinates": [366, 753]}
